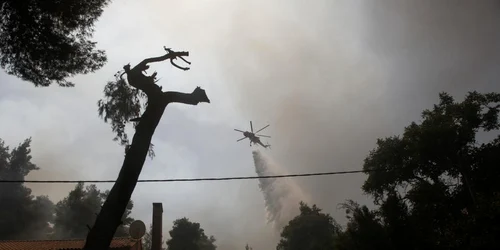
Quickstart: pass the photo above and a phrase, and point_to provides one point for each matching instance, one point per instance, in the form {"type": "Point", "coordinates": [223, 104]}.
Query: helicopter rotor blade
{"type": "Point", "coordinates": [240, 139]}
{"type": "Point", "coordinates": [261, 129]}
{"type": "Point", "coordinates": [251, 126]}
{"type": "Point", "coordinates": [239, 130]}
{"type": "Point", "coordinates": [267, 136]}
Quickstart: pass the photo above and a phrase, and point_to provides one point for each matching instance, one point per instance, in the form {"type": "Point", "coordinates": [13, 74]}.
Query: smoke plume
{"type": "Point", "coordinates": [282, 196]}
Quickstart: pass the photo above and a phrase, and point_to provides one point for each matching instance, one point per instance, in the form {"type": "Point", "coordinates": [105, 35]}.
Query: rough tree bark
{"type": "Point", "coordinates": [109, 218]}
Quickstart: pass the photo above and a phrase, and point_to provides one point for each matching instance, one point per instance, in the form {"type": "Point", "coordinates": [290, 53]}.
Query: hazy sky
{"type": "Point", "coordinates": [329, 76]}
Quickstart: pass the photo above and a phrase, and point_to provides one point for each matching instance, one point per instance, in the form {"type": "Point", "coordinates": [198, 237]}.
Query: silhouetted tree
{"type": "Point", "coordinates": [189, 235]}
{"type": "Point", "coordinates": [400, 228]}
{"type": "Point", "coordinates": [77, 212]}
{"type": "Point", "coordinates": [46, 42]}
{"type": "Point", "coordinates": [310, 230]}
{"type": "Point", "coordinates": [364, 229]}
{"type": "Point", "coordinates": [121, 103]}
{"type": "Point", "coordinates": [437, 185]}
{"type": "Point", "coordinates": [22, 216]}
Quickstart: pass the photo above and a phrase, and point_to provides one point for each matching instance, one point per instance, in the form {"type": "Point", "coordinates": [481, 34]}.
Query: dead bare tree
{"type": "Point", "coordinates": [123, 103]}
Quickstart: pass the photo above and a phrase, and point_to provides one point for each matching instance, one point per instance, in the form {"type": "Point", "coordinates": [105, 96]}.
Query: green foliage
{"type": "Point", "coordinates": [364, 229]}
{"type": "Point", "coordinates": [22, 216]}
{"type": "Point", "coordinates": [120, 104]}
{"type": "Point", "coordinates": [310, 230]}
{"type": "Point", "coordinates": [439, 150]}
{"type": "Point", "coordinates": [79, 210]}
{"type": "Point", "coordinates": [436, 183]}
{"type": "Point", "coordinates": [189, 235]}
{"type": "Point", "coordinates": [46, 42]}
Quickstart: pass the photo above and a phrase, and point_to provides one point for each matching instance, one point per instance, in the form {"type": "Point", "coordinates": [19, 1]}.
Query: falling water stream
{"type": "Point", "coordinates": [281, 195]}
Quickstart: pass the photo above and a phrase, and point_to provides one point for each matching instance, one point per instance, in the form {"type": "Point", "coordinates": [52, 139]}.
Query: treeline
{"type": "Point", "coordinates": [435, 186]}
{"type": "Point", "coordinates": [24, 216]}
{"type": "Point", "coordinates": [184, 234]}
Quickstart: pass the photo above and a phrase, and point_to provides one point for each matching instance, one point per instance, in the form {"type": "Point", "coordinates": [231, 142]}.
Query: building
{"type": "Point", "coordinates": [118, 243]}
{"type": "Point", "coordinates": [123, 243]}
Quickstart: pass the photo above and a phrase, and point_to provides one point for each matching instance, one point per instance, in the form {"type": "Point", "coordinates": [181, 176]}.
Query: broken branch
{"type": "Point", "coordinates": [197, 96]}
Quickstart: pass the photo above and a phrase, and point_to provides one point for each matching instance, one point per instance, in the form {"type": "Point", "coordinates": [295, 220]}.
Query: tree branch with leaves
{"type": "Point", "coordinates": [47, 42]}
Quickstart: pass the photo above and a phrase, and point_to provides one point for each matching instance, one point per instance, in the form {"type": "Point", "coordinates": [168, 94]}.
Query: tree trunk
{"type": "Point", "coordinates": [109, 218]}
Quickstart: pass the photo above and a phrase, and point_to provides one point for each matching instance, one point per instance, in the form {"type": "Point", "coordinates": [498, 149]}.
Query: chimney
{"type": "Point", "coordinates": [157, 226]}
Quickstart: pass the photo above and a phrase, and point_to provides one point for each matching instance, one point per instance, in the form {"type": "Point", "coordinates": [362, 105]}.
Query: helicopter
{"type": "Point", "coordinates": [253, 136]}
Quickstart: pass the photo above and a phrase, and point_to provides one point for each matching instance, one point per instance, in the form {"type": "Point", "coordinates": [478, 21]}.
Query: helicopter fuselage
{"type": "Point", "coordinates": [253, 137]}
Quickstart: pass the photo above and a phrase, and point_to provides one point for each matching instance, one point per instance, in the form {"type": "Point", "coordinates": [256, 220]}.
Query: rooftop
{"type": "Point", "coordinates": [118, 243]}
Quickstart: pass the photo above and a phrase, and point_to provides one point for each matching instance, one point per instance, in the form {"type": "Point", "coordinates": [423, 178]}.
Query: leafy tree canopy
{"type": "Point", "coordinates": [22, 216]}
{"type": "Point", "coordinates": [440, 150]}
{"type": "Point", "coordinates": [46, 42]}
{"type": "Point", "coordinates": [310, 230]}
{"type": "Point", "coordinates": [120, 104]}
{"type": "Point", "coordinates": [437, 184]}
{"type": "Point", "coordinates": [364, 229]}
{"type": "Point", "coordinates": [189, 235]}
{"type": "Point", "coordinates": [77, 212]}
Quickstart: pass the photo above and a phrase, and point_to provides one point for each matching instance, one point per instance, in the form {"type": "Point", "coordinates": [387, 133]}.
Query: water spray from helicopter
{"type": "Point", "coordinates": [282, 196]}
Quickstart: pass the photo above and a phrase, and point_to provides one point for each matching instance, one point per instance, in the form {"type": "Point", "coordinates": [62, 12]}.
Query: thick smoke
{"type": "Point", "coordinates": [282, 196]}
{"type": "Point", "coordinates": [333, 76]}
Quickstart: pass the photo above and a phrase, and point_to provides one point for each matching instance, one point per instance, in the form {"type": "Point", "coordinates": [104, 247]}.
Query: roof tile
{"type": "Point", "coordinates": [73, 244]}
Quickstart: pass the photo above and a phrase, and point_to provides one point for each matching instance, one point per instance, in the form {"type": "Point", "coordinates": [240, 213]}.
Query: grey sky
{"type": "Point", "coordinates": [330, 76]}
